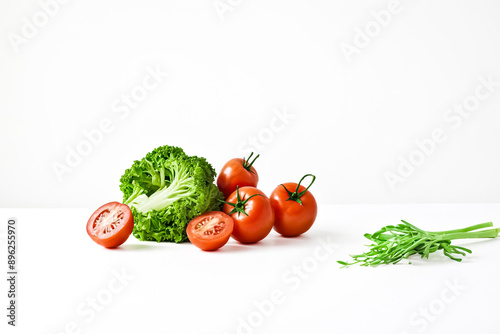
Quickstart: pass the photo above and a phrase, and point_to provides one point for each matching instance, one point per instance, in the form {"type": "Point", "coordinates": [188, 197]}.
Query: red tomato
{"type": "Point", "coordinates": [294, 207]}
{"type": "Point", "coordinates": [237, 172]}
{"type": "Point", "coordinates": [111, 224]}
{"type": "Point", "coordinates": [252, 214]}
{"type": "Point", "coordinates": [210, 231]}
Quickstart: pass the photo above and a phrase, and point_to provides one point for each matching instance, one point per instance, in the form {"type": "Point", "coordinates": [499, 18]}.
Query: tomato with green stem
{"type": "Point", "coordinates": [252, 213]}
{"type": "Point", "coordinates": [237, 172]}
{"type": "Point", "coordinates": [210, 231]}
{"type": "Point", "coordinates": [294, 207]}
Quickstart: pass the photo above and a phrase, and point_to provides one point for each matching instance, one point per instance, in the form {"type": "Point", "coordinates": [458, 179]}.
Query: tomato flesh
{"type": "Point", "coordinates": [111, 224]}
{"type": "Point", "coordinates": [291, 218]}
{"type": "Point", "coordinates": [210, 231]}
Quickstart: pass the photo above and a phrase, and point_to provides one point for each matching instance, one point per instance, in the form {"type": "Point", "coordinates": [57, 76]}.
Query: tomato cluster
{"type": "Point", "coordinates": [248, 214]}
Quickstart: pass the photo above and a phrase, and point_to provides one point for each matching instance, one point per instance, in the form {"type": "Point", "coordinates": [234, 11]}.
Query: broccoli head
{"type": "Point", "coordinates": [165, 190]}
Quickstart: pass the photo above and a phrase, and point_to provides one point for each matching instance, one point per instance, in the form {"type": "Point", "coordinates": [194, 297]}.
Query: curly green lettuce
{"type": "Point", "coordinates": [165, 190]}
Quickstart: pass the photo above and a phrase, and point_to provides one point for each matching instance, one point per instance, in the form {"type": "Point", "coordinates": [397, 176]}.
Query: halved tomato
{"type": "Point", "coordinates": [111, 224]}
{"type": "Point", "coordinates": [210, 231]}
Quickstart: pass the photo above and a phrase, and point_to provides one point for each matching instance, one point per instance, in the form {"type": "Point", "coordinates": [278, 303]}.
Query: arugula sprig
{"type": "Point", "coordinates": [391, 244]}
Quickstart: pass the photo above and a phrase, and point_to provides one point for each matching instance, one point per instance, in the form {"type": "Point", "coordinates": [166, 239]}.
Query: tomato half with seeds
{"type": "Point", "coordinates": [111, 224]}
{"type": "Point", "coordinates": [295, 208]}
{"type": "Point", "coordinates": [252, 213]}
{"type": "Point", "coordinates": [237, 172]}
{"type": "Point", "coordinates": [210, 231]}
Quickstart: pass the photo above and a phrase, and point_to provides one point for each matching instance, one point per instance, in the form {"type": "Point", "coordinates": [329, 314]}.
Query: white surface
{"type": "Point", "coordinates": [351, 121]}
{"type": "Point", "coordinates": [180, 289]}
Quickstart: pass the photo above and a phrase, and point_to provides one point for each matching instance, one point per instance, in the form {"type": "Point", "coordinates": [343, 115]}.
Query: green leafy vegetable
{"type": "Point", "coordinates": [165, 190]}
{"type": "Point", "coordinates": [392, 244]}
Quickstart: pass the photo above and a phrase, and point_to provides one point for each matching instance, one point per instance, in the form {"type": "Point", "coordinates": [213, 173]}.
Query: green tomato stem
{"type": "Point", "coordinates": [296, 195]}
{"type": "Point", "coordinates": [239, 206]}
{"type": "Point", "coordinates": [247, 164]}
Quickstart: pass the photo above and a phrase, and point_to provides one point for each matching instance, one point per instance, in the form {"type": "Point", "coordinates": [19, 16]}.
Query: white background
{"type": "Point", "coordinates": [228, 71]}
{"type": "Point", "coordinates": [233, 66]}
{"type": "Point", "coordinates": [180, 289]}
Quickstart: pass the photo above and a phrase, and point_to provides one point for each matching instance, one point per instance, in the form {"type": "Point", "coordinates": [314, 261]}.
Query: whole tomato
{"type": "Point", "coordinates": [252, 214]}
{"type": "Point", "coordinates": [294, 207]}
{"type": "Point", "coordinates": [237, 172]}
